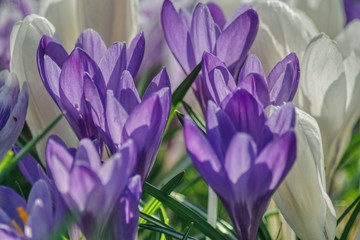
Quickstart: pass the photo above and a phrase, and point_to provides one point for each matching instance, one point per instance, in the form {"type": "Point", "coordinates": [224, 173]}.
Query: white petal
{"type": "Point", "coordinates": [281, 31]}
{"type": "Point", "coordinates": [114, 20]}
{"type": "Point", "coordinates": [302, 198]}
{"type": "Point", "coordinates": [42, 110]}
{"type": "Point", "coordinates": [62, 14]}
{"type": "Point", "coordinates": [348, 39]}
{"type": "Point", "coordinates": [328, 15]}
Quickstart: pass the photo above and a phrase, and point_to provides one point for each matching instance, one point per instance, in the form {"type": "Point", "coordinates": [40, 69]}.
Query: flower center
{"type": "Point", "coordinates": [23, 216]}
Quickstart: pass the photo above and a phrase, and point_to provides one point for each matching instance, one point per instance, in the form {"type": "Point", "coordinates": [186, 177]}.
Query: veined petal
{"type": "Point", "coordinates": [219, 129]}
{"type": "Point", "coordinates": [204, 158]}
{"type": "Point", "coordinates": [50, 58]}
{"type": "Point", "coordinates": [159, 82]}
{"type": "Point", "coordinates": [281, 30]}
{"type": "Point", "coordinates": [256, 85]}
{"type": "Point", "coordinates": [235, 41]}
{"type": "Point", "coordinates": [178, 41]}
{"type": "Point", "coordinates": [217, 82]}
{"type": "Point", "coordinates": [347, 40]}
{"type": "Point", "coordinates": [116, 117]}
{"type": "Point", "coordinates": [91, 42]}
{"type": "Point", "coordinates": [135, 54]}
{"type": "Point", "coordinates": [303, 201]}
{"type": "Point", "coordinates": [217, 14]}
{"type": "Point", "coordinates": [113, 64]}
{"type": "Point", "coordinates": [251, 65]}
{"type": "Point", "coordinates": [279, 156]}
{"type": "Point", "coordinates": [203, 31]}
{"type": "Point", "coordinates": [88, 154]}
{"type": "Point", "coordinates": [246, 113]}
{"type": "Point", "coordinates": [283, 80]}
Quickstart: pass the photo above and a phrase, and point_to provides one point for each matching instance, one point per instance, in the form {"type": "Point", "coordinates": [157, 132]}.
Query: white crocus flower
{"type": "Point", "coordinates": [114, 20]}
{"type": "Point", "coordinates": [281, 30]}
{"type": "Point", "coordinates": [330, 91]}
{"type": "Point", "coordinates": [328, 15]}
{"type": "Point", "coordinates": [42, 109]}
{"type": "Point", "coordinates": [302, 197]}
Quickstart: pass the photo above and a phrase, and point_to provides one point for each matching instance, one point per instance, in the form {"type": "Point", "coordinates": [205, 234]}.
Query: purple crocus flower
{"type": "Point", "coordinates": [244, 155]}
{"type": "Point", "coordinates": [276, 89]}
{"type": "Point", "coordinates": [21, 220]}
{"type": "Point", "coordinates": [352, 10]}
{"type": "Point", "coordinates": [93, 189]}
{"type": "Point", "coordinates": [13, 105]}
{"type": "Point", "coordinates": [95, 88]}
{"type": "Point", "coordinates": [207, 30]}
{"type": "Point", "coordinates": [188, 37]}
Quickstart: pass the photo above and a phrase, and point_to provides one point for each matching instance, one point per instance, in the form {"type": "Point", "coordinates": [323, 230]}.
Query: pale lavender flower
{"type": "Point", "coordinates": [103, 102]}
{"type": "Point", "coordinates": [95, 191]}
{"type": "Point", "coordinates": [34, 219]}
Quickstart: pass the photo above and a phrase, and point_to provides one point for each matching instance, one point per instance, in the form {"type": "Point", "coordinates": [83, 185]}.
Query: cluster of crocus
{"type": "Point", "coordinates": [103, 102]}
{"type": "Point", "coordinates": [265, 124]}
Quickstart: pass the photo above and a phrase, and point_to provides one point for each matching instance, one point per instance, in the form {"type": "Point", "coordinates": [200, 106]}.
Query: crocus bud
{"type": "Point", "coordinates": [42, 110]}
{"type": "Point", "coordinates": [302, 197]}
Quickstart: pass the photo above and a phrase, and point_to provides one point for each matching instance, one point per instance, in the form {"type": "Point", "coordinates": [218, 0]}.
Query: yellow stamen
{"type": "Point", "coordinates": [22, 214]}
{"type": "Point", "coordinates": [16, 226]}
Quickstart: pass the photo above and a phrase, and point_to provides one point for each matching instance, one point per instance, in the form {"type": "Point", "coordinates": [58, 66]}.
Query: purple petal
{"type": "Point", "coordinates": [218, 81]}
{"type": "Point", "coordinates": [235, 41]}
{"type": "Point", "coordinates": [91, 42]}
{"type": "Point", "coordinates": [240, 156]}
{"type": "Point", "coordinates": [279, 156]}
{"type": "Point", "coordinates": [283, 80]}
{"type": "Point", "coordinates": [29, 168]}
{"type": "Point", "coordinates": [204, 158]}
{"type": "Point", "coordinates": [95, 103]}
{"type": "Point", "coordinates": [159, 82]}
{"type": "Point", "coordinates": [86, 181]}
{"type": "Point", "coordinates": [126, 212]}
{"type": "Point", "coordinates": [203, 31]}
{"type": "Point", "coordinates": [251, 65]}
{"type": "Point", "coordinates": [256, 85]}
{"type": "Point", "coordinates": [40, 209]}
{"type": "Point", "coordinates": [245, 112]}
{"type": "Point", "coordinates": [144, 127]}
{"type": "Point", "coordinates": [219, 129]}
{"type": "Point", "coordinates": [59, 162]}
{"type": "Point", "coordinates": [352, 10]}
{"type": "Point", "coordinates": [50, 58]}
{"type": "Point", "coordinates": [10, 201]}
{"type": "Point", "coordinates": [78, 67]}
{"type": "Point", "coordinates": [113, 64]}
{"type": "Point", "coordinates": [217, 14]}
{"type": "Point", "coordinates": [12, 122]}
{"type": "Point", "coordinates": [178, 41]}
{"type": "Point", "coordinates": [127, 93]}
{"type": "Point", "coordinates": [282, 120]}
{"type": "Point", "coordinates": [116, 117]}
{"type": "Point", "coordinates": [88, 154]}
{"type": "Point", "coordinates": [135, 54]}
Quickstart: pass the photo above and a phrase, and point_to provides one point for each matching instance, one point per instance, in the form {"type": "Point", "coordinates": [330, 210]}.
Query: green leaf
{"type": "Point", "coordinates": [200, 123]}
{"type": "Point", "coordinates": [186, 236]}
{"type": "Point", "coordinates": [182, 89]}
{"type": "Point", "coordinates": [184, 212]}
{"type": "Point", "coordinates": [351, 222]}
{"type": "Point", "coordinates": [167, 231]}
{"type": "Point", "coordinates": [347, 210]}
{"type": "Point", "coordinates": [153, 205]}
{"type": "Point", "coordinates": [10, 161]}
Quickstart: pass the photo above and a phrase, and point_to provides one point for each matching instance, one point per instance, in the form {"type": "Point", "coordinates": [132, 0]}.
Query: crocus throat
{"type": "Point", "coordinates": [23, 216]}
